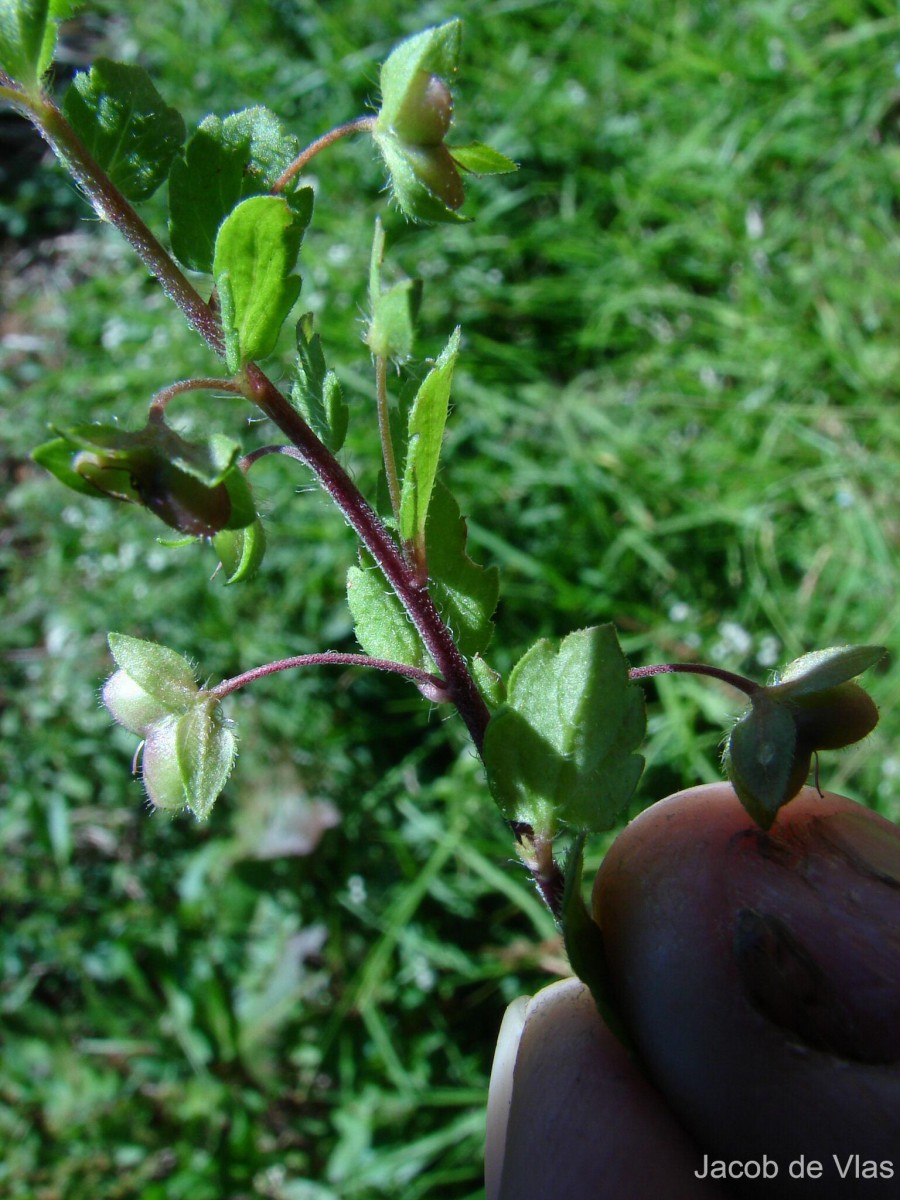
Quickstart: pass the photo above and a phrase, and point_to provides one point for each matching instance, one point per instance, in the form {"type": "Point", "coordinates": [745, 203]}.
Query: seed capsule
{"type": "Point", "coordinates": [426, 112]}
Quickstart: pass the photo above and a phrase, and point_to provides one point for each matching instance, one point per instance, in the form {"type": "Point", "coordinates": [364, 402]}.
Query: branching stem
{"type": "Point", "coordinates": [458, 683]}
{"type": "Point", "coordinates": [460, 687]}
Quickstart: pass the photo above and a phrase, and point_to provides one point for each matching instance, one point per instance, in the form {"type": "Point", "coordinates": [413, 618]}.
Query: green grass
{"type": "Point", "coordinates": [676, 409]}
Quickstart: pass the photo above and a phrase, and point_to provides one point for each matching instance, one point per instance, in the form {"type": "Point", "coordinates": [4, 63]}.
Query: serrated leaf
{"type": "Point", "coordinates": [764, 763]}
{"type": "Point", "coordinates": [824, 669]}
{"type": "Point", "coordinates": [482, 160]}
{"type": "Point", "coordinates": [435, 50]}
{"type": "Point", "coordinates": [523, 769]}
{"type": "Point", "coordinates": [561, 750]}
{"type": "Point", "coordinates": [392, 328]}
{"type": "Point", "coordinates": [126, 125]}
{"type": "Point", "coordinates": [256, 252]}
{"type": "Point", "coordinates": [241, 551]}
{"type": "Point", "coordinates": [27, 39]}
{"type": "Point", "coordinates": [383, 629]}
{"type": "Point", "coordinates": [465, 593]}
{"type": "Point", "coordinates": [427, 419]}
{"type": "Point", "coordinates": [162, 673]}
{"type": "Point", "coordinates": [317, 392]}
{"type": "Point", "coordinates": [223, 163]}
{"type": "Point", "coordinates": [584, 944]}
{"type": "Point", "coordinates": [206, 749]}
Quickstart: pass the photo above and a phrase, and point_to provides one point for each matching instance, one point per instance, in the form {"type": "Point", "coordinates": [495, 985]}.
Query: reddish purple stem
{"type": "Point", "coordinates": [747, 686]}
{"type": "Point", "coordinates": [331, 658]}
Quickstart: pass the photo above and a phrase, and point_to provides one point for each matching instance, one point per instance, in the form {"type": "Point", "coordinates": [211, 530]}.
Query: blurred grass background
{"type": "Point", "coordinates": [676, 410]}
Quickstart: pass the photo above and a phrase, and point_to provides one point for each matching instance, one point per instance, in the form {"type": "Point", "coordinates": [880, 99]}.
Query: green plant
{"type": "Point", "coordinates": [560, 741]}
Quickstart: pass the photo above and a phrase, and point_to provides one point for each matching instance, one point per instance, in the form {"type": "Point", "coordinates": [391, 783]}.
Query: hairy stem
{"type": "Point", "coordinates": [460, 687]}
{"type": "Point", "coordinates": [359, 125]}
{"type": "Point", "coordinates": [328, 658]}
{"type": "Point", "coordinates": [547, 874]}
{"type": "Point", "coordinates": [747, 686]}
{"type": "Point", "coordinates": [111, 205]}
{"type": "Point", "coordinates": [161, 399]}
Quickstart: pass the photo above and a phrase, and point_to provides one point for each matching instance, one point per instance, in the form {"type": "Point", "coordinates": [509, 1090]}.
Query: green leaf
{"type": "Point", "coordinates": [382, 627]}
{"type": "Point", "coordinates": [206, 750]}
{"type": "Point", "coordinates": [482, 160]}
{"type": "Point", "coordinates": [398, 420]}
{"type": "Point", "coordinates": [561, 750]}
{"type": "Point", "coordinates": [523, 770]}
{"type": "Point", "coordinates": [223, 163]}
{"type": "Point", "coordinates": [56, 457]}
{"type": "Point", "coordinates": [243, 506]}
{"type": "Point", "coordinates": [465, 593]}
{"type": "Point", "coordinates": [490, 682]}
{"type": "Point", "coordinates": [392, 328]}
{"type": "Point", "coordinates": [126, 125]}
{"type": "Point", "coordinates": [427, 419]}
{"type": "Point", "coordinates": [763, 760]}
{"type": "Point", "coordinates": [425, 181]}
{"type": "Point", "coordinates": [272, 149]}
{"type": "Point", "coordinates": [584, 944]}
{"type": "Point", "coordinates": [256, 251]}
{"type": "Point", "coordinates": [435, 51]}
{"type": "Point", "coordinates": [27, 39]}
{"type": "Point", "coordinates": [823, 669]}
{"type": "Point", "coordinates": [159, 671]}
{"type": "Point", "coordinates": [317, 392]}
{"type": "Point", "coordinates": [241, 551]}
